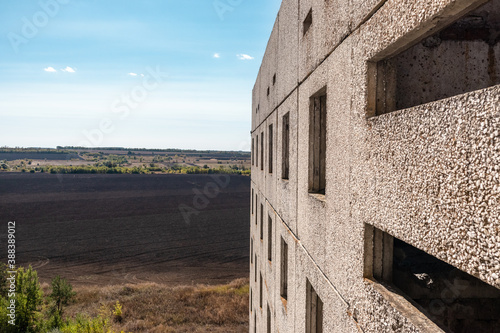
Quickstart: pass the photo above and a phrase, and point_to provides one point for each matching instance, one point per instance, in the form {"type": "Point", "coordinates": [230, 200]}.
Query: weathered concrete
{"type": "Point", "coordinates": [412, 148]}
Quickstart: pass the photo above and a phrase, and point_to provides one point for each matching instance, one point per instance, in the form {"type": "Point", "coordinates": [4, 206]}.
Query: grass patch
{"type": "Point", "coordinates": [153, 307]}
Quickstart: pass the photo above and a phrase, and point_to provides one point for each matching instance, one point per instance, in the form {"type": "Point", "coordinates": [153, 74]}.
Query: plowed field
{"type": "Point", "coordinates": [113, 229]}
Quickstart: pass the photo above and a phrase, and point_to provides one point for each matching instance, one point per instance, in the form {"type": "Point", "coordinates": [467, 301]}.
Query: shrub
{"type": "Point", "coordinates": [117, 312]}
{"type": "Point", "coordinates": [62, 294]}
{"type": "Point", "coordinates": [29, 298]}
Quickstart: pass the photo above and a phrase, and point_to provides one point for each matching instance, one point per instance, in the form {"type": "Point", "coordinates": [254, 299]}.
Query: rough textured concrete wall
{"type": "Point", "coordinates": [288, 50]}
{"type": "Point", "coordinates": [286, 189]}
{"type": "Point", "coordinates": [426, 73]}
{"type": "Point", "coordinates": [435, 168]}
{"type": "Point", "coordinates": [271, 176]}
{"type": "Point", "coordinates": [285, 310]}
{"type": "Point", "coordinates": [428, 175]}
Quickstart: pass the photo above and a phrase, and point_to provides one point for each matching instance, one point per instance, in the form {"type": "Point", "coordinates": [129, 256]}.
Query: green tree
{"type": "Point", "coordinates": [62, 294]}
{"type": "Point", "coordinates": [29, 298]}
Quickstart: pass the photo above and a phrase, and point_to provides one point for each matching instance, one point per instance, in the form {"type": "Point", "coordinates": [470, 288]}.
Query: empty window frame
{"type": "Point", "coordinates": [257, 150]}
{"type": "Point", "coordinates": [251, 250]}
{"type": "Point", "coordinates": [307, 22]}
{"type": "Point", "coordinates": [262, 151]}
{"type": "Point", "coordinates": [252, 202]}
{"type": "Point", "coordinates": [284, 270]}
{"type": "Point", "coordinates": [251, 299]}
{"type": "Point", "coordinates": [269, 238]}
{"type": "Point", "coordinates": [317, 142]}
{"type": "Point", "coordinates": [270, 148]}
{"type": "Point", "coordinates": [285, 146]}
{"type": "Point", "coordinates": [460, 58]}
{"type": "Point", "coordinates": [256, 207]}
{"type": "Point", "coordinates": [451, 298]}
{"type": "Point", "coordinates": [314, 310]}
{"type": "Point", "coordinates": [253, 151]}
{"type": "Point", "coordinates": [268, 319]}
{"type": "Point", "coordinates": [255, 275]}
{"type": "Point", "coordinates": [260, 290]}
{"type": "Point", "coordinates": [261, 221]}
{"type": "Point", "coordinates": [274, 79]}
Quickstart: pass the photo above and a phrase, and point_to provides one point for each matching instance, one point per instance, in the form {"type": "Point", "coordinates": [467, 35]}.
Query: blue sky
{"type": "Point", "coordinates": [149, 73]}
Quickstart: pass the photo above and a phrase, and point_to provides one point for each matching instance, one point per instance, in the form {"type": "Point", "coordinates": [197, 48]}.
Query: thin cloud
{"type": "Point", "coordinates": [243, 56]}
{"type": "Point", "coordinates": [216, 55]}
{"type": "Point", "coordinates": [68, 69]}
{"type": "Point", "coordinates": [50, 69]}
{"type": "Point", "coordinates": [132, 74]}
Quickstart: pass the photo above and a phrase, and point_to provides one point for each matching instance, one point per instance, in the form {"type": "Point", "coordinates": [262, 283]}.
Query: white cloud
{"type": "Point", "coordinates": [132, 74]}
{"type": "Point", "coordinates": [68, 69]}
{"type": "Point", "coordinates": [243, 56]}
{"type": "Point", "coordinates": [216, 55]}
{"type": "Point", "coordinates": [50, 69]}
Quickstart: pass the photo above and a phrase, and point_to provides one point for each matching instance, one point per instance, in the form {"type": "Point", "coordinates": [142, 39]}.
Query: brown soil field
{"type": "Point", "coordinates": [36, 156]}
{"type": "Point", "coordinates": [114, 229]}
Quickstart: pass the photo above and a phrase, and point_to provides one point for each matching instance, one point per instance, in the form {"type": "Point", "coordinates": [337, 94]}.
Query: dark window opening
{"type": "Point", "coordinates": [256, 208]}
{"type": "Point", "coordinates": [262, 151]}
{"type": "Point", "coordinates": [452, 299]}
{"type": "Point", "coordinates": [284, 269]}
{"type": "Point", "coordinates": [257, 151]}
{"type": "Point", "coordinates": [267, 91]}
{"type": "Point", "coordinates": [270, 149]}
{"type": "Point", "coordinates": [251, 250]}
{"type": "Point", "coordinates": [285, 157]}
{"type": "Point", "coordinates": [253, 151]}
{"type": "Point", "coordinates": [317, 142]}
{"type": "Point", "coordinates": [460, 58]}
{"type": "Point", "coordinates": [252, 202]}
{"type": "Point", "coordinates": [307, 22]}
{"type": "Point", "coordinates": [260, 291]}
{"type": "Point", "coordinates": [255, 275]}
{"type": "Point", "coordinates": [269, 238]}
{"type": "Point", "coordinates": [274, 79]}
{"type": "Point", "coordinates": [314, 310]}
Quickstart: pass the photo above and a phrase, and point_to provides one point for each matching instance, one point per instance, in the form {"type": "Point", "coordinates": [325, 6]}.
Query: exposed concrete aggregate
{"type": "Point", "coordinates": [428, 174]}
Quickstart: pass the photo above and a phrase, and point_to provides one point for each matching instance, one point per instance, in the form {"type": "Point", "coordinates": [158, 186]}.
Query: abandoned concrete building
{"type": "Point", "coordinates": [375, 200]}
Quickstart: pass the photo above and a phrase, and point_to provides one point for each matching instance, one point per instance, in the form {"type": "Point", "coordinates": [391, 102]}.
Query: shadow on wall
{"type": "Point", "coordinates": [461, 58]}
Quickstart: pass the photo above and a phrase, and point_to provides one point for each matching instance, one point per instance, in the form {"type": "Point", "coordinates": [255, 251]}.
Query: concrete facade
{"type": "Point", "coordinates": [405, 235]}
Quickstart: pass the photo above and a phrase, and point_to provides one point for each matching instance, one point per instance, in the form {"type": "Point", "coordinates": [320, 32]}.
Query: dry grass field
{"type": "Point", "coordinates": [157, 308]}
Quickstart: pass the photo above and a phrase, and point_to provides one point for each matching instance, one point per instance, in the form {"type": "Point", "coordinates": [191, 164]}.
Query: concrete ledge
{"type": "Point", "coordinates": [405, 306]}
